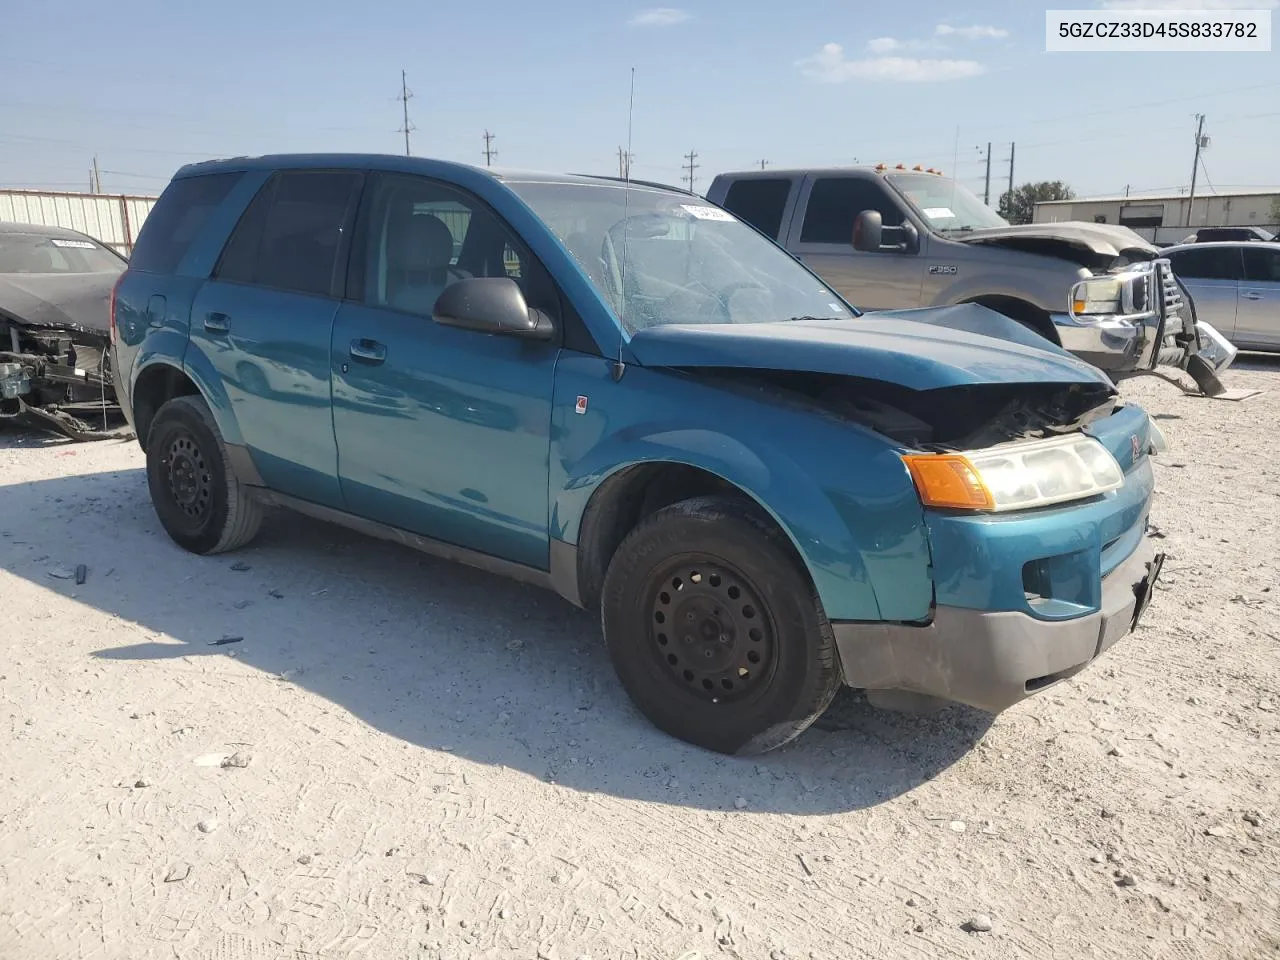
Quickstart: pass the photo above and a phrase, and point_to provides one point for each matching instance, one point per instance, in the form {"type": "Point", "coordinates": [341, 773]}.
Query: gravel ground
{"type": "Point", "coordinates": [403, 758]}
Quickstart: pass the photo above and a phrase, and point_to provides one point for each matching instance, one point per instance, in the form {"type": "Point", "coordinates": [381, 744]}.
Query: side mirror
{"type": "Point", "coordinates": [491, 305]}
{"type": "Point", "coordinates": [868, 231]}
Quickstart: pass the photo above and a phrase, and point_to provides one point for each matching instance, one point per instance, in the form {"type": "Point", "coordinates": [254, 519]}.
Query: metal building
{"type": "Point", "coordinates": [1165, 218]}
{"type": "Point", "coordinates": [113, 219]}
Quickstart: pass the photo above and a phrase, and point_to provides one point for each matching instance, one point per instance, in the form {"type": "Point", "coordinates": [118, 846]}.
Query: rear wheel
{"type": "Point", "coordinates": [714, 629]}
{"type": "Point", "coordinates": [198, 498]}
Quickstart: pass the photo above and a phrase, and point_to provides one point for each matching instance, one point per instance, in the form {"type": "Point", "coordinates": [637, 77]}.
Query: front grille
{"type": "Point", "coordinates": [1172, 305]}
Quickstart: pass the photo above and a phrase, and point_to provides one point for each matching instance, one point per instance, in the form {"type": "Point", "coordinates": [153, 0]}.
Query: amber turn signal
{"type": "Point", "coordinates": [948, 481]}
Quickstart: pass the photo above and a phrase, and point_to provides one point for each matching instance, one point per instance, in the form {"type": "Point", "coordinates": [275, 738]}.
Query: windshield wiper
{"type": "Point", "coordinates": [796, 319]}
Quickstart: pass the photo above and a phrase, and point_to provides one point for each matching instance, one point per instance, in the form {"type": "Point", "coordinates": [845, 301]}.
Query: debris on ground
{"type": "Point", "coordinates": [177, 873]}
{"type": "Point", "coordinates": [978, 923]}
{"type": "Point", "coordinates": [223, 641]}
{"type": "Point", "coordinates": [236, 760]}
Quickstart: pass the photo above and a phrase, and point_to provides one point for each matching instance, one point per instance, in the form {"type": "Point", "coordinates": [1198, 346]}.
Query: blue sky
{"type": "Point", "coordinates": [149, 85]}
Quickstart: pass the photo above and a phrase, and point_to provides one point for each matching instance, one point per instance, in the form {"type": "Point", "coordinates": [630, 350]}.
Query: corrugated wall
{"type": "Point", "coordinates": [112, 219]}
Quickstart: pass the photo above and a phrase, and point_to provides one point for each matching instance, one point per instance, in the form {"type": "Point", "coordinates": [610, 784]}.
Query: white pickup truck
{"type": "Point", "coordinates": [893, 238]}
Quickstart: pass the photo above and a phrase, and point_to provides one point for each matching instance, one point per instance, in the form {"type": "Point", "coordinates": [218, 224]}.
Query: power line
{"type": "Point", "coordinates": [489, 152]}
{"type": "Point", "coordinates": [405, 96]}
{"type": "Point", "coordinates": [689, 177]}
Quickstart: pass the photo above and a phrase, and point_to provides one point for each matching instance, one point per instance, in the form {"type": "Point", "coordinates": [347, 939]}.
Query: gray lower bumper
{"type": "Point", "coordinates": [991, 660]}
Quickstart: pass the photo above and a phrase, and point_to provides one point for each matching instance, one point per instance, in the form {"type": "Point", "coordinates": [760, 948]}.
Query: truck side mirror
{"type": "Point", "coordinates": [868, 231]}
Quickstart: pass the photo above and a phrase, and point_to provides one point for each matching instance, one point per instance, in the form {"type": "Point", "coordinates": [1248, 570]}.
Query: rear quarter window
{"type": "Point", "coordinates": [760, 202]}
{"type": "Point", "coordinates": [177, 219]}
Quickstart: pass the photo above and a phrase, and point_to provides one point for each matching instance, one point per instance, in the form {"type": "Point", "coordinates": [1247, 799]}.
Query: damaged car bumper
{"type": "Point", "coordinates": [59, 380]}
{"type": "Point", "coordinates": [1029, 600]}
{"type": "Point", "coordinates": [1155, 326]}
{"type": "Point", "coordinates": [991, 660]}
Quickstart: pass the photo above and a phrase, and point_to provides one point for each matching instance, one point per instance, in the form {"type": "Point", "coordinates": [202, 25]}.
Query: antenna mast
{"type": "Point", "coordinates": [405, 96]}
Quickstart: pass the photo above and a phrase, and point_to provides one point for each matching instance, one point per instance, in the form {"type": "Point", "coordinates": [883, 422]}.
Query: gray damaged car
{"type": "Point", "coordinates": [55, 315]}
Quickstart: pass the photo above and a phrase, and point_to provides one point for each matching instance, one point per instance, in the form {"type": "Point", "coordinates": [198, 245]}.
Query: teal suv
{"type": "Point", "coordinates": [623, 393]}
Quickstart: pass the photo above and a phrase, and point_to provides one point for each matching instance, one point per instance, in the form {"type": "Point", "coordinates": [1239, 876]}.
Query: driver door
{"type": "Point", "coordinates": [441, 431]}
{"type": "Point", "coordinates": [822, 238]}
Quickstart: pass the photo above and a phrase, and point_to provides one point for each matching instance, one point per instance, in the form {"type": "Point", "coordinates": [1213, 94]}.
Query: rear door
{"type": "Point", "coordinates": [1212, 274]}
{"type": "Point", "coordinates": [822, 237]}
{"type": "Point", "coordinates": [265, 318]}
{"type": "Point", "coordinates": [1258, 312]}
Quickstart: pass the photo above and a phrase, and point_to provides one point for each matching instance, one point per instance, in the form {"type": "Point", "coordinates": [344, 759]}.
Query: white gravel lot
{"type": "Point", "coordinates": [441, 764]}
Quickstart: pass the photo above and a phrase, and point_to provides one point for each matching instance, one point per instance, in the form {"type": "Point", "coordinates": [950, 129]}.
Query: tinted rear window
{"type": "Point", "coordinates": [760, 203]}
{"type": "Point", "coordinates": [290, 236]}
{"type": "Point", "coordinates": [1207, 263]}
{"type": "Point", "coordinates": [176, 220]}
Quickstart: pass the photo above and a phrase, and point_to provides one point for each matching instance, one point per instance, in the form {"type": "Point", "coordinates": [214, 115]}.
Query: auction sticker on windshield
{"type": "Point", "coordinates": [707, 213]}
{"type": "Point", "coordinates": [939, 213]}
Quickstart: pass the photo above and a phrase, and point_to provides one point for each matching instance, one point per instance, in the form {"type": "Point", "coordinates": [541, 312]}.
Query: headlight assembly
{"type": "Point", "coordinates": [1016, 477]}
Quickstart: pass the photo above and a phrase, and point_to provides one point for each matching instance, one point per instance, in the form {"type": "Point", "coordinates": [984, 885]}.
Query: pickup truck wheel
{"type": "Point", "coordinates": [200, 502]}
{"type": "Point", "coordinates": [715, 630]}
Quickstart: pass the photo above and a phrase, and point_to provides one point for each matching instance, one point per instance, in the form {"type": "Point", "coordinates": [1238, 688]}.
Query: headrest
{"type": "Point", "coordinates": [419, 242]}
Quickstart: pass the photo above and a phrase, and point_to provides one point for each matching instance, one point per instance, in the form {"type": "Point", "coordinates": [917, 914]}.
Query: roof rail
{"type": "Point", "coordinates": [642, 183]}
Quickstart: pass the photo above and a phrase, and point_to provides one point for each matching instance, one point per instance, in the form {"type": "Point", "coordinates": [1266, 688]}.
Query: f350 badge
{"type": "Point", "coordinates": [945, 269]}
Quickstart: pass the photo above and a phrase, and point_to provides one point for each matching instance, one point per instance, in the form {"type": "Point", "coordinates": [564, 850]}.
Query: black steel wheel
{"type": "Point", "coordinates": [714, 627]}
{"type": "Point", "coordinates": [198, 498]}
{"type": "Point", "coordinates": [711, 631]}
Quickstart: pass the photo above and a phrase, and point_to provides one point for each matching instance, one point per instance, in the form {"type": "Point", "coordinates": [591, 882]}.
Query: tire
{"type": "Point", "coordinates": [759, 665]}
{"type": "Point", "coordinates": [201, 504]}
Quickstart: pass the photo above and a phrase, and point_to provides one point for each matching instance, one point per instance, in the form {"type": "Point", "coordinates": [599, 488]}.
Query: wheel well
{"type": "Point", "coordinates": [155, 387]}
{"type": "Point", "coordinates": [1027, 314]}
{"type": "Point", "coordinates": [625, 499]}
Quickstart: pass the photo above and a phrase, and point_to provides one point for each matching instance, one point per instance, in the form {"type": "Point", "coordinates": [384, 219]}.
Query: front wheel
{"type": "Point", "coordinates": [198, 498]}
{"type": "Point", "coordinates": [715, 630]}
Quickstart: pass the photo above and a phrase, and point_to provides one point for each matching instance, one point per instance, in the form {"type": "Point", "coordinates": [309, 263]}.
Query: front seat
{"type": "Point", "coordinates": [419, 248]}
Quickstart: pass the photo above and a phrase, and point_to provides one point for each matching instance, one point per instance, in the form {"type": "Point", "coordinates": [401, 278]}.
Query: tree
{"type": "Point", "coordinates": [1020, 205]}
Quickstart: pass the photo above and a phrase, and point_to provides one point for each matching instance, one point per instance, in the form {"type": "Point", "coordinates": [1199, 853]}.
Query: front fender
{"type": "Point", "coordinates": [840, 494]}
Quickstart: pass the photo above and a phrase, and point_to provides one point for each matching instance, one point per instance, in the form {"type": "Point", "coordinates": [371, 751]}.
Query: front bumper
{"type": "Point", "coordinates": [992, 660]}
{"type": "Point", "coordinates": [1113, 344]}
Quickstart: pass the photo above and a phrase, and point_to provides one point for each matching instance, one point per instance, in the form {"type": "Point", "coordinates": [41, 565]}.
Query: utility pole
{"type": "Point", "coordinates": [689, 178]}
{"type": "Point", "coordinates": [763, 164]}
{"type": "Point", "coordinates": [1195, 164]}
{"type": "Point", "coordinates": [1126, 189]}
{"type": "Point", "coordinates": [986, 190]}
{"type": "Point", "coordinates": [97, 179]}
{"type": "Point", "coordinates": [489, 152]}
{"type": "Point", "coordinates": [624, 163]}
{"type": "Point", "coordinates": [1011, 152]}
{"type": "Point", "coordinates": [405, 96]}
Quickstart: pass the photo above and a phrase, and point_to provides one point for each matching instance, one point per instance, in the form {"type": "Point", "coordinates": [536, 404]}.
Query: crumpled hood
{"type": "Point", "coordinates": [962, 345]}
{"type": "Point", "coordinates": [61, 300]}
{"type": "Point", "coordinates": [1097, 239]}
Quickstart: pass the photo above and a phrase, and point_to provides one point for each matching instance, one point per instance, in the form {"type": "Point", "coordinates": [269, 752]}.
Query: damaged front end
{"type": "Point", "coordinates": [1133, 314]}
{"type": "Point", "coordinates": [1139, 317]}
{"type": "Point", "coordinates": [58, 378]}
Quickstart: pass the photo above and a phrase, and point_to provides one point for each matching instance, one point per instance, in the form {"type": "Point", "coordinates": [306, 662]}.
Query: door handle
{"type": "Point", "coordinates": [217, 323]}
{"type": "Point", "coordinates": [368, 351]}
{"type": "Point", "coordinates": [1251, 295]}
